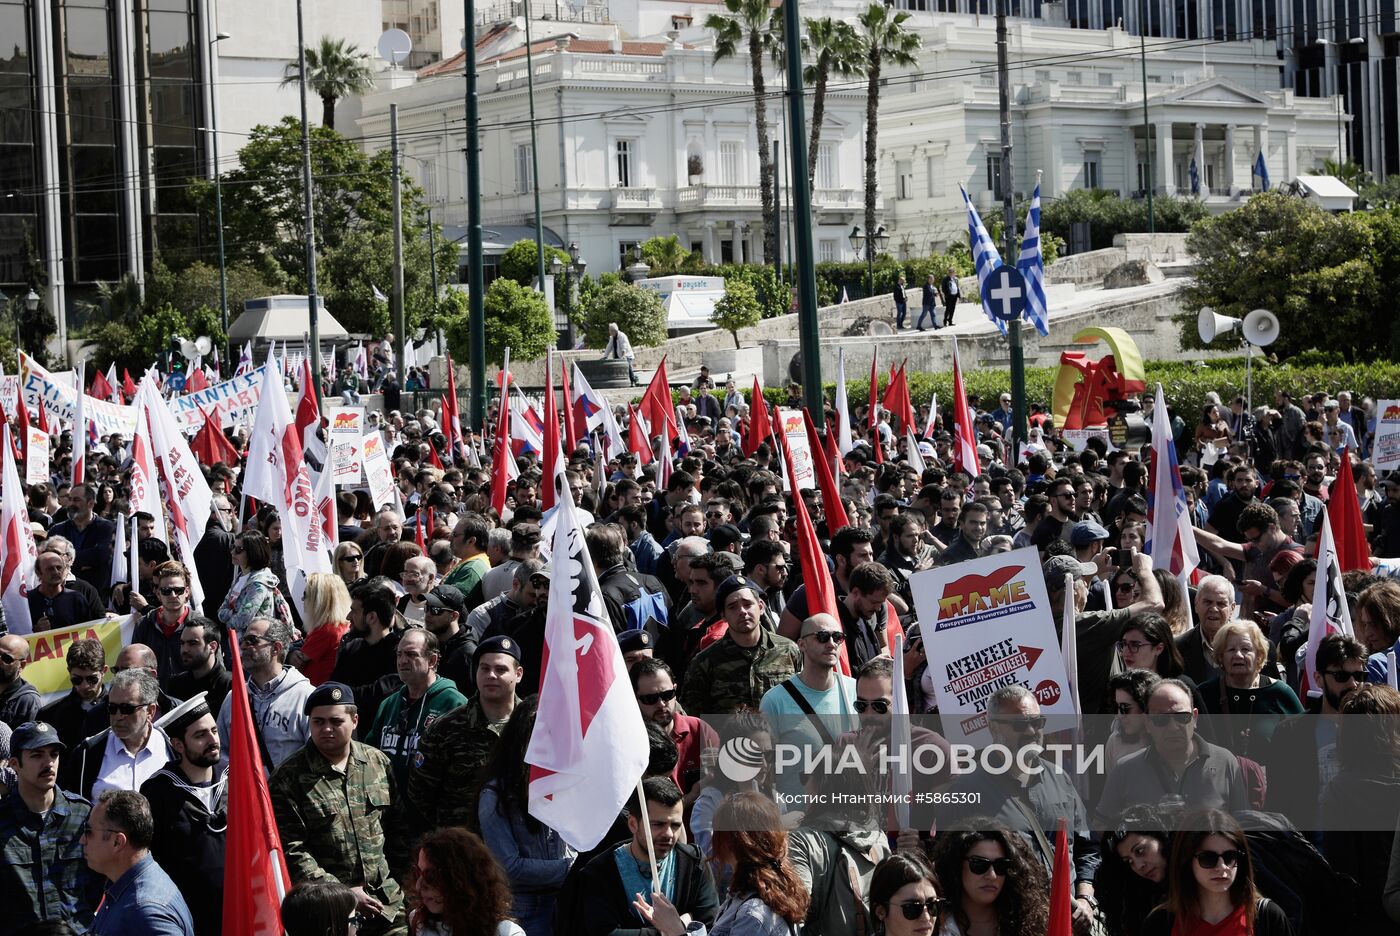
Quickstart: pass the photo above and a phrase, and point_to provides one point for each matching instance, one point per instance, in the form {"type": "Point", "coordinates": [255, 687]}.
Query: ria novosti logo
{"type": "Point", "coordinates": [741, 759]}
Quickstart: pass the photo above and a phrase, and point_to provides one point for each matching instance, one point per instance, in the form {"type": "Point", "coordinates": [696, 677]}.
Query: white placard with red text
{"type": "Point", "coordinates": [36, 464]}
{"type": "Point", "coordinates": [378, 471]}
{"type": "Point", "coordinates": [795, 428]}
{"type": "Point", "coordinates": [346, 433]}
{"type": "Point", "coordinates": [1386, 453]}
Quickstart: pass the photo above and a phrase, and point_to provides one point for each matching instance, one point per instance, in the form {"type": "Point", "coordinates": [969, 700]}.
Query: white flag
{"type": "Point", "coordinates": [119, 565]}
{"type": "Point", "coordinates": [844, 443]}
{"type": "Point", "coordinates": [145, 482]}
{"type": "Point", "coordinates": [916, 457]}
{"type": "Point", "coordinates": [1069, 644]}
{"type": "Point", "coordinates": [17, 551]}
{"type": "Point", "coordinates": [186, 495]}
{"type": "Point", "coordinates": [1330, 614]}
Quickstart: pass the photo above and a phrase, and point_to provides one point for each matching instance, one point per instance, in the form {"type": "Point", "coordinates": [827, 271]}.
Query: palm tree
{"type": "Point", "coordinates": [749, 22]}
{"type": "Point", "coordinates": [836, 49]}
{"type": "Point", "coordinates": [334, 70]}
{"type": "Point", "coordinates": [885, 39]}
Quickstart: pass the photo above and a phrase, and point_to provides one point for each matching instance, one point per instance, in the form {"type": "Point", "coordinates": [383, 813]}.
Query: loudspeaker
{"type": "Point", "coordinates": [1210, 324]}
{"type": "Point", "coordinates": [1261, 327]}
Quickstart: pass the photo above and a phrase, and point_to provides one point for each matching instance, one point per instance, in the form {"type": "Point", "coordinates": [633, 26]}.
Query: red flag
{"type": "Point", "coordinates": [43, 419]}
{"type": "Point", "coordinates": [657, 406]}
{"type": "Point", "coordinates": [255, 872]}
{"type": "Point", "coordinates": [549, 458]}
{"type": "Point", "coordinates": [638, 438]}
{"type": "Point", "coordinates": [451, 415]}
{"type": "Point", "coordinates": [420, 531]}
{"type": "Point", "coordinates": [308, 417]}
{"type": "Point", "coordinates": [195, 382]}
{"type": "Point", "coordinates": [964, 439]}
{"type": "Point", "coordinates": [210, 445]}
{"type": "Point", "coordinates": [816, 576]}
{"type": "Point", "coordinates": [906, 411]}
{"type": "Point", "coordinates": [100, 387]}
{"type": "Point", "coordinates": [759, 426]}
{"type": "Point", "coordinates": [1061, 883]}
{"type": "Point", "coordinates": [571, 427]}
{"type": "Point", "coordinates": [128, 385]}
{"type": "Point", "coordinates": [831, 495]}
{"type": "Point", "coordinates": [896, 400]}
{"type": "Point", "coordinates": [502, 459]}
{"type": "Point", "coordinates": [874, 418]}
{"type": "Point", "coordinates": [1344, 513]}
{"type": "Point", "coordinates": [433, 458]}
{"type": "Point", "coordinates": [22, 427]}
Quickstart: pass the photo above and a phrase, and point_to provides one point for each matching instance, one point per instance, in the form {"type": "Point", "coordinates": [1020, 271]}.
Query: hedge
{"type": "Point", "coordinates": [1184, 383]}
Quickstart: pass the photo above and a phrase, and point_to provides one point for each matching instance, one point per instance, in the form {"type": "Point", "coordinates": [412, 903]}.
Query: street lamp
{"type": "Point", "coordinates": [574, 272]}
{"type": "Point", "coordinates": [31, 304]}
{"type": "Point", "coordinates": [875, 243]}
{"type": "Point", "coordinates": [218, 198]}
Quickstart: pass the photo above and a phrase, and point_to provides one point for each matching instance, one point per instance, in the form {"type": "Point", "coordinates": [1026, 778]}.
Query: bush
{"type": "Point", "coordinates": [516, 317]}
{"type": "Point", "coordinates": [637, 312]}
{"type": "Point", "coordinates": [738, 309]}
{"type": "Point", "coordinates": [1108, 215]}
{"type": "Point", "coordinates": [518, 263]}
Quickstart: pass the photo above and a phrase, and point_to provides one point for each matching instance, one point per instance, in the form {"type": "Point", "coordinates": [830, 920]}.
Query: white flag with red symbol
{"type": "Point", "coordinates": [589, 747]}
{"type": "Point", "coordinates": [17, 551]}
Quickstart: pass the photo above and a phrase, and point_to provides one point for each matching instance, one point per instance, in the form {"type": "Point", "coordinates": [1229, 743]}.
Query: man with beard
{"type": "Point", "coordinates": [1061, 517]}
{"type": "Point", "coordinates": [1302, 757]}
{"type": "Point", "coordinates": [1225, 518]}
{"type": "Point", "coordinates": [654, 685]}
{"type": "Point", "coordinates": [201, 664]}
{"type": "Point", "coordinates": [189, 802]}
{"type": "Point", "coordinates": [91, 536]}
{"type": "Point", "coordinates": [19, 701]}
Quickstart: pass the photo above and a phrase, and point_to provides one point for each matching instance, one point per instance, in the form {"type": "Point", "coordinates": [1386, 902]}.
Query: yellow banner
{"type": "Point", "coordinates": [47, 669]}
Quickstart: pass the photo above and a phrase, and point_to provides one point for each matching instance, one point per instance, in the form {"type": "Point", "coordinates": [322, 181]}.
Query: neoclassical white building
{"type": "Point", "coordinates": [620, 124]}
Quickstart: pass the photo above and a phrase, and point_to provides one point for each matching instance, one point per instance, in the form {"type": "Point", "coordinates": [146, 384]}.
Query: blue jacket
{"type": "Point", "coordinates": [43, 875]}
{"type": "Point", "coordinates": [535, 861]}
{"type": "Point", "coordinates": [143, 900]}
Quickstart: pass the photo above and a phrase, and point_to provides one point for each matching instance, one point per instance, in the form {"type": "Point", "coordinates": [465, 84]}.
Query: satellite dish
{"type": "Point", "coordinates": [1211, 324]}
{"type": "Point", "coordinates": [188, 348]}
{"type": "Point", "coordinates": [1261, 327]}
{"type": "Point", "coordinates": [394, 46]}
{"type": "Point", "coordinates": [203, 345]}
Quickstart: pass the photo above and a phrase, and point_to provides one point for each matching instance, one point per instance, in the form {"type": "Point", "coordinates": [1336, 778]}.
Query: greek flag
{"type": "Point", "coordinates": [1261, 169]}
{"type": "Point", "coordinates": [984, 254]}
{"type": "Point", "coordinates": [1031, 266]}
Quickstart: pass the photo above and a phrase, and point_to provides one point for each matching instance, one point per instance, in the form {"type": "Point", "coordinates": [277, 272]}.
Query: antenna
{"type": "Point", "coordinates": [394, 46]}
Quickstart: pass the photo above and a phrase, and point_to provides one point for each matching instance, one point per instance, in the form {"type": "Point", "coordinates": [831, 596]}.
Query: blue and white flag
{"type": "Point", "coordinates": [1031, 266]}
{"type": "Point", "coordinates": [985, 256]}
{"type": "Point", "coordinates": [1261, 169]}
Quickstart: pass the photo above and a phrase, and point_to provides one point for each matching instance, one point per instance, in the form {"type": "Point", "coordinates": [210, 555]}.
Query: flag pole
{"type": "Point", "coordinates": [645, 822]}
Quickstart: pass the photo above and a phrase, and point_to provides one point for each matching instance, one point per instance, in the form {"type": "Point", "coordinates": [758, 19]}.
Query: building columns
{"type": "Point", "coordinates": [1163, 164]}
{"type": "Point", "coordinates": [711, 243]}
{"type": "Point", "coordinates": [1130, 162]}
{"type": "Point", "coordinates": [1229, 178]}
{"type": "Point", "coordinates": [1198, 153]}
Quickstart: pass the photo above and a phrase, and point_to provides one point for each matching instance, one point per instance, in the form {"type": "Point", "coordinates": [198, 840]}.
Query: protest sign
{"type": "Point", "coordinates": [377, 469]}
{"type": "Point", "coordinates": [1386, 455]}
{"type": "Point", "coordinates": [237, 399]}
{"type": "Point", "coordinates": [47, 669]}
{"type": "Point", "coordinates": [795, 428]}
{"type": "Point", "coordinates": [36, 459]}
{"type": "Point", "coordinates": [986, 623]}
{"type": "Point", "coordinates": [57, 395]}
{"type": "Point", "coordinates": [346, 437]}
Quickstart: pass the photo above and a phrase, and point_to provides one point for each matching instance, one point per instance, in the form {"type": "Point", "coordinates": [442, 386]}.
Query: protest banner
{"type": "Point", "coordinates": [377, 469]}
{"type": "Point", "coordinates": [36, 464]}
{"type": "Point", "coordinates": [47, 669]}
{"type": "Point", "coordinates": [346, 437]}
{"type": "Point", "coordinates": [58, 396]}
{"type": "Point", "coordinates": [237, 399]}
{"type": "Point", "coordinates": [795, 428]}
{"type": "Point", "coordinates": [1386, 455]}
{"type": "Point", "coordinates": [986, 623]}
{"type": "Point", "coordinates": [9, 392]}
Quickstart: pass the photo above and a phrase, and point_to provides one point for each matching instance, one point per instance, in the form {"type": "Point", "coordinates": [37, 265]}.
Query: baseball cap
{"type": "Point", "coordinates": [724, 536]}
{"type": "Point", "coordinates": [447, 597]}
{"type": "Point", "coordinates": [33, 735]}
{"type": "Point", "coordinates": [1057, 567]}
{"type": "Point", "coordinates": [1086, 532]}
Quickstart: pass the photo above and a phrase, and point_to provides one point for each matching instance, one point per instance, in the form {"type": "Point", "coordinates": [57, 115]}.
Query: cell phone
{"type": "Point", "coordinates": [1123, 558]}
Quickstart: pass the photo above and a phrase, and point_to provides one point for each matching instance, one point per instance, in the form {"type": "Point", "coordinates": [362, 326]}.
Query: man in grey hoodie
{"type": "Point", "coordinates": [276, 693]}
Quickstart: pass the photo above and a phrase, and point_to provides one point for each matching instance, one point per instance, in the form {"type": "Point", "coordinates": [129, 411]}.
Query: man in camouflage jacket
{"type": "Point", "coordinates": [330, 799]}
{"type": "Point", "coordinates": [735, 671]}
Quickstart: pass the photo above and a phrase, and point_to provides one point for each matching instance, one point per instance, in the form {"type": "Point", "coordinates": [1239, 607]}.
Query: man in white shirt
{"type": "Point", "coordinates": [619, 348]}
{"type": "Point", "coordinates": [129, 753]}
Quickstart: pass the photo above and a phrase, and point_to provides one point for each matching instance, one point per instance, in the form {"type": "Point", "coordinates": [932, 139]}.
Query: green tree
{"type": "Point", "coordinates": [665, 255]}
{"type": "Point", "coordinates": [136, 343]}
{"type": "Point", "coordinates": [1327, 277]}
{"type": "Point", "coordinates": [516, 317]}
{"type": "Point", "coordinates": [1108, 215]}
{"type": "Point", "coordinates": [637, 312]}
{"type": "Point", "coordinates": [834, 48]}
{"type": "Point", "coordinates": [738, 309]}
{"type": "Point", "coordinates": [886, 39]}
{"type": "Point", "coordinates": [518, 262]}
{"type": "Point", "coordinates": [197, 285]}
{"type": "Point", "coordinates": [748, 25]}
{"type": "Point", "coordinates": [334, 70]}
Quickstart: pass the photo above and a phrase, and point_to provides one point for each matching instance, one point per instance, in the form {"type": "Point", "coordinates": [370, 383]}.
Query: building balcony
{"type": "Point", "coordinates": [634, 206]}
{"type": "Point", "coordinates": [705, 197]}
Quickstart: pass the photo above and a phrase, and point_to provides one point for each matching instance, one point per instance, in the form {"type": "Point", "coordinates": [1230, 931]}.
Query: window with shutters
{"type": "Point", "coordinates": [523, 175]}
{"type": "Point", "coordinates": [827, 177]}
{"type": "Point", "coordinates": [729, 163]}
{"type": "Point", "coordinates": [626, 169]}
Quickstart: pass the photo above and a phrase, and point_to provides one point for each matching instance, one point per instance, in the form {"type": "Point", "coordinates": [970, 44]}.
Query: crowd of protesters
{"type": "Point", "coordinates": [393, 705]}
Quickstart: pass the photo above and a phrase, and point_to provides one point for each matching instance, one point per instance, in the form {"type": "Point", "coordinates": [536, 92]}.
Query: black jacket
{"type": "Point", "coordinates": [68, 716]}
{"type": "Point", "coordinates": [456, 655]}
{"type": "Point", "coordinates": [620, 587]}
{"type": "Point", "coordinates": [1269, 920]}
{"type": "Point", "coordinates": [21, 704]}
{"type": "Point", "coordinates": [604, 910]}
{"type": "Point", "coordinates": [166, 649]}
{"type": "Point", "coordinates": [189, 842]}
{"type": "Point", "coordinates": [218, 682]}
{"type": "Point", "coordinates": [214, 563]}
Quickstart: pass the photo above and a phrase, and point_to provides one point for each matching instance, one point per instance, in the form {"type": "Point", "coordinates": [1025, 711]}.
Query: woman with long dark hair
{"type": "Point", "coordinates": [320, 908]}
{"type": "Point", "coordinates": [1210, 885]}
{"type": "Point", "coordinates": [766, 898]}
{"type": "Point", "coordinates": [254, 593]}
{"type": "Point", "coordinates": [535, 859]}
{"type": "Point", "coordinates": [457, 888]}
{"type": "Point", "coordinates": [904, 896]}
{"type": "Point", "coordinates": [994, 885]}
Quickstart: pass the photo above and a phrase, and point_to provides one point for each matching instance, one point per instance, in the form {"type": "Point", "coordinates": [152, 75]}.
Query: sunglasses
{"type": "Point", "coordinates": [1209, 859]}
{"type": "Point", "coordinates": [123, 708]}
{"type": "Point", "coordinates": [1124, 708]}
{"type": "Point", "coordinates": [878, 706]}
{"type": "Point", "coordinates": [979, 865]}
{"type": "Point", "coordinates": [169, 590]}
{"type": "Point", "coordinates": [1124, 587]}
{"type": "Point", "coordinates": [6, 658]}
{"type": "Point", "coordinates": [253, 640]}
{"type": "Point", "coordinates": [913, 909]}
{"type": "Point", "coordinates": [355, 558]}
{"type": "Point", "coordinates": [1024, 724]}
{"type": "Point", "coordinates": [826, 637]}
{"type": "Point", "coordinates": [92, 680]}
{"type": "Point", "coordinates": [1346, 676]}
{"type": "Point", "coordinates": [1171, 718]}
{"type": "Point", "coordinates": [651, 698]}
{"type": "Point", "coordinates": [434, 609]}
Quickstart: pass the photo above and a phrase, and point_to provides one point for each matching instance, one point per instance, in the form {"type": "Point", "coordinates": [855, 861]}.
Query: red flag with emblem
{"type": "Point", "coordinates": [874, 407]}
{"type": "Point", "coordinates": [255, 872]}
{"type": "Point", "coordinates": [22, 427]}
{"type": "Point", "coordinates": [589, 746]}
